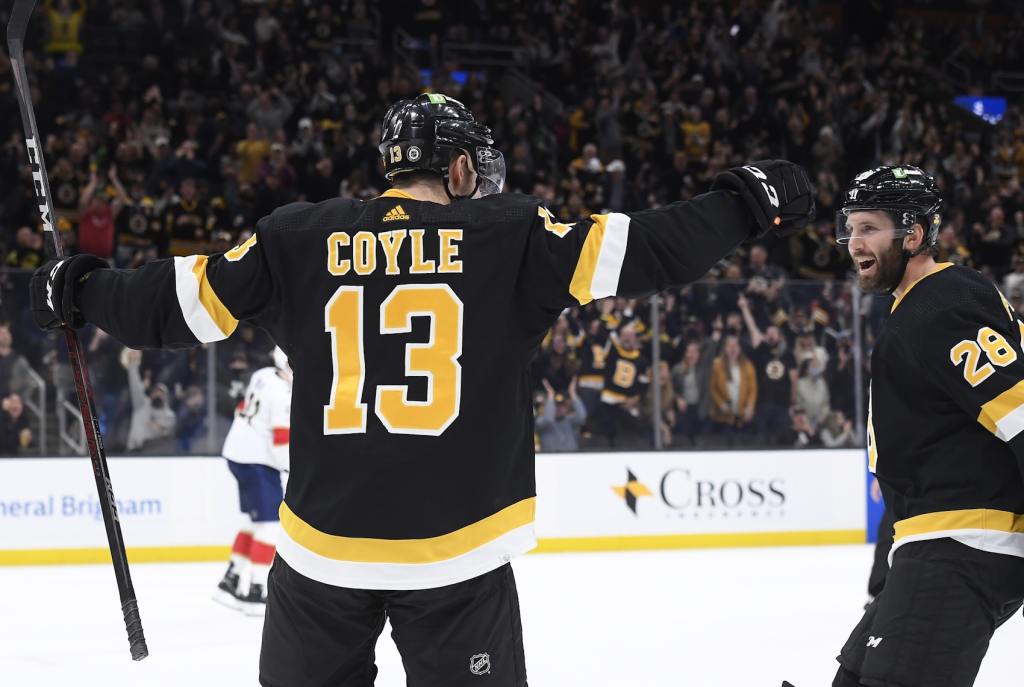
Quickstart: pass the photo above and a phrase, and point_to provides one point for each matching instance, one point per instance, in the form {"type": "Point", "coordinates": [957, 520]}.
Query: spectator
{"type": "Point", "coordinates": [625, 383]}
{"type": "Point", "coordinates": [185, 164]}
{"type": "Point", "coordinates": [776, 373]}
{"type": "Point", "coordinates": [618, 192]}
{"type": "Point", "coordinates": [187, 221]}
{"type": "Point", "coordinates": [558, 425]}
{"type": "Point", "coordinates": [593, 357]}
{"type": "Point", "coordinates": [812, 392]}
{"type": "Point", "coordinates": [251, 151]}
{"type": "Point", "coordinates": [27, 253]}
{"type": "Point", "coordinates": [64, 25]}
{"type": "Point", "coordinates": [152, 417]}
{"type": "Point", "coordinates": [837, 431]}
{"type": "Point", "coordinates": [270, 110]}
{"type": "Point", "coordinates": [279, 167]}
{"type": "Point", "coordinates": [733, 390]}
{"type": "Point", "coordinates": [951, 247]}
{"type": "Point", "coordinates": [801, 433]}
{"type": "Point", "coordinates": [696, 134]}
{"type": "Point", "coordinates": [840, 379]}
{"type": "Point", "coordinates": [1015, 279]}
{"type": "Point", "coordinates": [556, 365]}
{"type": "Point", "coordinates": [15, 372]}
{"type": "Point", "coordinates": [992, 243]}
{"type": "Point", "coordinates": [324, 183]}
{"type": "Point", "coordinates": [691, 379]}
{"type": "Point", "coordinates": [191, 419]}
{"type": "Point", "coordinates": [96, 219]}
{"type": "Point", "coordinates": [15, 434]}
{"type": "Point", "coordinates": [107, 375]}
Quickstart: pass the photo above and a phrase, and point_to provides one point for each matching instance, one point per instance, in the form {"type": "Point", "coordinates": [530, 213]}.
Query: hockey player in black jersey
{"type": "Point", "coordinates": [945, 414]}
{"type": "Point", "coordinates": [410, 321]}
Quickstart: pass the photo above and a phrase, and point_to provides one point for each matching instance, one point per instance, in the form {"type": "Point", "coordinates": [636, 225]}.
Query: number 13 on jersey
{"type": "Point", "coordinates": [437, 360]}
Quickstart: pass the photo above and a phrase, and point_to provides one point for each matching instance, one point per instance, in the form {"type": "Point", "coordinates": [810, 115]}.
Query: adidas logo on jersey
{"type": "Point", "coordinates": [395, 213]}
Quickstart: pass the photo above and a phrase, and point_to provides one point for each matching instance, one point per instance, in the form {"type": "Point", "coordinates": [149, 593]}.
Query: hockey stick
{"type": "Point", "coordinates": [16, 28]}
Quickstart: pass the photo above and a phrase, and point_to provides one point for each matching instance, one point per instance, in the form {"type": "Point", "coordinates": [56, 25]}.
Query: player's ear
{"type": "Point", "coordinates": [460, 173]}
{"type": "Point", "coordinates": [913, 241]}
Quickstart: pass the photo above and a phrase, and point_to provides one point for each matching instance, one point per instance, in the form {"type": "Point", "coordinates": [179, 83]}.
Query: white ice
{"type": "Point", "coordinates": [693, 618]}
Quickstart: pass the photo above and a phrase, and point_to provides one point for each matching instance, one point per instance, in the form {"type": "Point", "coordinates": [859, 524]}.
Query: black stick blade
{"type": "Point", "coordinates": [18, 24]}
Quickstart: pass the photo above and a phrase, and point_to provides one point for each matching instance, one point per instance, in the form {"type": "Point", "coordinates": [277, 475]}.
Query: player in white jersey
{"type": "Point", "coordinates": [256, 449]}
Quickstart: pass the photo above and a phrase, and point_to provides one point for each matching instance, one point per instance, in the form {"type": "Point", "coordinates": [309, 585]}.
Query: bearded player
{"type": "Point", "coordinates": [945, 414]}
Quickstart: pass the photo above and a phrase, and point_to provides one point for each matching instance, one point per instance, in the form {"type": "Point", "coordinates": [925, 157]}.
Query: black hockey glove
{"type": "Point", "coordinates": [776, 191]}
{"type": "Point", "coordinates": [52, 290]}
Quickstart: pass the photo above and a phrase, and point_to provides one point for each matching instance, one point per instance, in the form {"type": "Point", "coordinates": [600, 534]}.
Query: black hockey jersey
{"type": "Point", "coordinates": [410, 327]}
{"type": "Point", "coordinates": [946, 411]}
{"type": "Point", "coordinates": [593, 357]}
{"type": "Point", "coordinates": [625, 375]}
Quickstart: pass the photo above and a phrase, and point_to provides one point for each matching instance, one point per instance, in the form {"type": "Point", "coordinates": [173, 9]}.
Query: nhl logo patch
{"type": "Point", "coordinates": [480, 664]}
{"type": "Point", "coordinates": [413, 153]}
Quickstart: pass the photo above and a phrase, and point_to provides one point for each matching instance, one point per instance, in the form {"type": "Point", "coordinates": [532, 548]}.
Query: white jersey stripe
{"type": "Point", "coordinates": [196, 316]}
{"type": "Point", "coordinates": [993, 541]}
{"type": "Point", "coordinates": [1011, 424]}
{"type": "Point", "coordinates": [613, 251]}
{"type": "Point", "coordinates": [355, 575]}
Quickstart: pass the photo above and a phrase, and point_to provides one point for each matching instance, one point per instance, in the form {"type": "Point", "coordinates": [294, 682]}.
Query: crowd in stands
{"type": "Point", "coordinates": [170, 128]}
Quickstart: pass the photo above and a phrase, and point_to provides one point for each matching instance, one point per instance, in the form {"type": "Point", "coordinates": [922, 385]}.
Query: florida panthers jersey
{"type": "Point", "coordinates": [410, 326]}
{"type": "Point", "coordinates": [261, 428]}
{"type": "Point", "coordinates": [946, 413]}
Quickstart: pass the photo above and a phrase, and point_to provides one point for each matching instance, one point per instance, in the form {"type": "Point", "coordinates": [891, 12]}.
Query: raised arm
{"type": "Point", "coordinates": [172, 303]}
{"type": "Point", "coordinates": [636, 254]}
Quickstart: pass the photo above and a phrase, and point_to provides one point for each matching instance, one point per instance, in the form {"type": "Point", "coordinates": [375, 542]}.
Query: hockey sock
{"type": "Point", "coordinates": [241, 551]}
{"type": "Point", "coordinates": [262, 551]}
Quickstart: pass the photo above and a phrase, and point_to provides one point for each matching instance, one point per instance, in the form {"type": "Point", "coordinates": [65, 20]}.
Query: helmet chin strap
{"type": "Point", "coordinates": [452, 197]}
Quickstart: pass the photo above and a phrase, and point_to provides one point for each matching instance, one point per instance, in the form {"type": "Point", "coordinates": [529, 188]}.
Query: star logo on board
{"type": "Point", "coordinates": [631, 490]}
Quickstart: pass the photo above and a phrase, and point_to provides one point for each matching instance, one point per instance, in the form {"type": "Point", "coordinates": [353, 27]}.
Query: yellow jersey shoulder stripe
{"type": "Point", "coordinates": [407, 551]}
{"type": "Point", "coordinates": [204, 313]}
{"type": "Point", "coordinates": [1004, 414]}
{"type": "Point", "coordinates": [600, 263]}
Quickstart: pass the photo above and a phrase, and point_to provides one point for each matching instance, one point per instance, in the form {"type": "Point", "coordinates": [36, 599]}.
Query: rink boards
{"type": "Point", "coordinates": [186, 508]}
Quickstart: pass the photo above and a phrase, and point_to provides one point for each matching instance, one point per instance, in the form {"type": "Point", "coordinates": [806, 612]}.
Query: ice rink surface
{"type": "Point", "coordinates": [694, 618]}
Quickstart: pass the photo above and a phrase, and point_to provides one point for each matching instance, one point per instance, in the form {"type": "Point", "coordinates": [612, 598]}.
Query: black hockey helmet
{"type": "Point", "coordinates": [907, 194]}
{"type": "Point", "coordinates": [422, 133]}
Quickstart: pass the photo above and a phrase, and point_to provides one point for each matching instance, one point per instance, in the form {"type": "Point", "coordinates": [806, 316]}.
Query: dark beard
{"type": "Point", "coordinates": [889, 269]}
